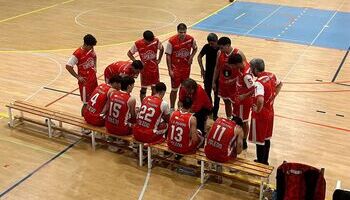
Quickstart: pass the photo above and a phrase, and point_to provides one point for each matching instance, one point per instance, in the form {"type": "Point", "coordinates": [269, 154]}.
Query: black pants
{"type": "Point", "coordinates": [208, 87]}
{"type": "Point", "coordinates": [262, 152]}
{"type": "Point", "coordinates": [202, 117]}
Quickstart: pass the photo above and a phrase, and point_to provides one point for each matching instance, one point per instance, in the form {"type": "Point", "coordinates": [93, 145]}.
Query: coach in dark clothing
{"type": "Point", "coordinates": [210, 51]}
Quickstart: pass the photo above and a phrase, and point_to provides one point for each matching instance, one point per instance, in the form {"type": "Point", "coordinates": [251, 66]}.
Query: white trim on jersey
{"type": "Point", "coordinates": [73, 60]}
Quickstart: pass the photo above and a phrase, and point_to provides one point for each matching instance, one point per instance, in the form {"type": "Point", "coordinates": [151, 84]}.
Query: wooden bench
{"type": "Point", "coordinates": [259, 172]}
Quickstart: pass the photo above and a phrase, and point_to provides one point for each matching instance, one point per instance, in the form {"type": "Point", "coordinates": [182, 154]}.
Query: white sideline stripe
{"type": "Point", "coordinates": [304, 51]}
{"type": "Point", "coordinates": [240, 16]}
{"type": "Point", "coordinates": [145, 184]}
{"type": "Point", "coordinates": [197, 191]}
{"type": "Point", "coordinates": [262, 21]}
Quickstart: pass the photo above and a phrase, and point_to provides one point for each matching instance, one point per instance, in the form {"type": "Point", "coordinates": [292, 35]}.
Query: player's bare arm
{"type": "Point", "coordinates": [161, 53]}
{"type": "Point", "coordinates": [131, 56]}
{"type": "Point", "coordinates": [239, 140]}
{"type": "Point", "coordinates": [168, 62]}
{"type": "Point", "coordinates": [243, 56]}
{"type": "Point", "coordinates": [259, 104]}
{"type": "Point", "coordinates": [278, 88]}
{"type": "Point", "coordinates": [74, 74]}
{"type": "Point", "coordinates": [216, 72]}
{"type": "Point", "coordinates": [193, 127]}
{"type": "Point", "coordinates": [132, 108]}
{"type": "Point", "coordinates": [200, 62]}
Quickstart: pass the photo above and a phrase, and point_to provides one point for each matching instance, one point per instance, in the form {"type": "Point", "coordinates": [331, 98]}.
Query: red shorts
{"type": "Point", "coordinates": [259, 127]}
{"type": "Point", "coordinates": [227, 91]}
{"type": "Point", "coordinates": [118, 130]}
{"type": "Point", "coordinates": [270, 126]}
{"type": "Point", "coordinates": [87, 89]}
{"type": "Point", "coordinates": [180, 76]}
{"type": "Point", "coordinates": [148, 136]}
{"type": "Point", "coordinates": [149, 79]}
{"type": "Point", "coordinates": [242, 109]}
{"type": "Point", "coordinates": [95, 120]}
{"type": "Point", "coordinates": [192, 148]}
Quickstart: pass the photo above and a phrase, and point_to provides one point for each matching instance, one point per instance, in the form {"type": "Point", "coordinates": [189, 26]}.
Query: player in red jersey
{"type": "Point", "coordinates": [85, 59]}
{"type": "Point", "coordinates": [94, 110]}
{"type": "Point", "coordinates": [245, 90]}
{"type": "Point", "coordinates": [201, 105]}
{"type": "Point", "coordinates": [123, 68]}
{"type": "Point", "coordinates": [267, 87]}
{"type": "Point", "coordinates": [225, 140]}
{"type": "Point", "coordinates": [148, 48]}
{"type": "Point", "coordinates": [151, 121]}
{"type": "Point", "coordinates": [121, 114]}
{"type": "Point", "coordinates": [225, 74]}
{"type": "Point", "coordinates": [179, 59]}
{"type": "Point", "coordinates": [183, 135]}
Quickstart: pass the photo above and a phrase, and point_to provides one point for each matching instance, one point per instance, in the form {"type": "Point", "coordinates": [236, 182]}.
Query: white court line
{"type": "Point", "coordinates": [52, 81]}
{"type": "Point", "coordinates": [197, 191]}
{"type": "Point", "coordinates": [145, 184]}
{"type": "Point", "coordinates": [301, 55]}
{"type": "Point", "coordinates": [240, 16]}
{"type": "Point", "coordinates": [166, 24]}
{"type": "Point", "coordinates": [262, 21]}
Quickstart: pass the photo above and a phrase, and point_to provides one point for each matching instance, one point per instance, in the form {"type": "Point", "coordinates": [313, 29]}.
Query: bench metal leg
{"type": "Point", "coordinates": [140, 155]}
{"type": "Point", "coordinates": [202, 172]}
{"type": "Point", "coordinates": [93, 142]}
{"type": "Point", "coordinates": [261, 189]}
{"type": "Point", "coordinates": [10, 117]}
{"type": "Point", "coordinates": [49, 127]}
{"type": "Point", "coordinates": [149, 157]}
{"type": "Point", "coordinates": [60, 124]}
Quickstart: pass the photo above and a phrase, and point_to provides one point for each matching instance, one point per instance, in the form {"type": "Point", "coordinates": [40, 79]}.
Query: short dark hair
{"type": "Point", "coordinates": [115, 79]}
{"type": "Point", "coordinates": [237, 120]}
{"type": "Point", "coordinates": [190, 83]}
{"type": "Point", "coordinates": [125, 82]}
{"type": "Point", "coordinates": [181, 26]}
{"type": "Point", "coordinates": [137, 64]}
{"type": "Point", "coordinates": [187, 103]}
{"type": "Point", "coordinates": [224, 41]}
{"type": "Point", "coordinates": [90, 40]}
{"type": "Point", "coordinates": [148, 35]}
{"type": "Point", "coordinates": [212, 37]}
{"type": "Point", "coordinates": [235, 59]}
{"type": "Point", "coordinates": [160, 87]}
{"type": "Point", "coordinates": [258, 64]}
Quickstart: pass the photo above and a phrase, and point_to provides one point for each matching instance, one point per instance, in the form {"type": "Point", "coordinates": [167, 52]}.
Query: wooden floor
{"type": "Point", "coordinates": [37, 37]}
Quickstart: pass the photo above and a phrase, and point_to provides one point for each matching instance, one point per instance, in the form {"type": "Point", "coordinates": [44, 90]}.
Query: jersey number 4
{"type": "Point", "coordinates": [94, 99]}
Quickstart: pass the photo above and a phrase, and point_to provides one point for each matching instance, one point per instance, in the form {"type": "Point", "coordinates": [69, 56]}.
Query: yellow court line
{"type": "Point", "coordinates": [34, 147]}
{"type": "Point", "coordinates": [34, 11]}
{"type": "Point", "coordinates": [3, 115]}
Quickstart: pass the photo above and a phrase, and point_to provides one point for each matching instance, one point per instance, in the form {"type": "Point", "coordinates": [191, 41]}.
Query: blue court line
{"type": "Point", "coordinates": [37, 169]}
{"type": "Point", "coordinates": [307, 26]}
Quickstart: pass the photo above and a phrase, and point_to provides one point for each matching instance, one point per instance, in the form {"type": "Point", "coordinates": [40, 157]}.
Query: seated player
{"type": "Point", "coordinates": [151, 121]}
{"type": "Point", "coordinates": [225, 140]}
{"type": "Point", "coordinates": [93, 112]}
{"type": "Point", "coordinates": [121, 112]}
{"type": "Point", "coordinates": [183, 135]}
{"type": "Point", "coordinates": [123, 68]}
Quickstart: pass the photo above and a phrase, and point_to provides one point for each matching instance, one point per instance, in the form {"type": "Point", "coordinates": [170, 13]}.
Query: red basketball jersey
{"type": "Point", "coordinates": [148, 55]}
{"type": "Point", "coordinates": [118, 113]}
{"type": "Point", "coordinates": [266, 87]}
{"type": "Point", "coordinates": [121, 68]}
{"type": "Point", "coordinates": [97, 102]}
{"type": "Point", "coordinates": [221, 140]}
{"type": "Point", "coordinates": [86, 63]}
{"type": "Point", "coordinates": [245, 81]}
{"type": "Point", "coordinates": [179, 132]}
{"type": "Point", "coordinates": [227, 74]}
{"type": "Point", "coordinates": [181, 50]}
{"type": "Point", "coordinates": [148, 118]}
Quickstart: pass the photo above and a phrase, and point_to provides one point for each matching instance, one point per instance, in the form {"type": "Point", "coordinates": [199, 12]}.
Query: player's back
{"type": "Point", "coordinates": [96, 104]}
{"type": "Point", "coordinates": [148, 119]}
{"type": "Point", "coordinates": [221, 140]}
{"type": "Point", "coordinates": [179, 132]}
{"type": "Point", "coordinates": [118, 113]}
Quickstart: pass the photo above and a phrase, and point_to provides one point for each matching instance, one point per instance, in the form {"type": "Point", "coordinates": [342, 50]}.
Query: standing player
{"type": "Point", "coordinates": [226, 75]}
{"type": "Point", "coordinates": [201, 105]}
{"type": "Point", "coordinates": [123, 68]}
{"type": "Point", "coordinates": [179, 59]}
{"type": "Point", "coordinates": [151, 121]}
{"type": "Point", "coordinates": [94, 111]}
{"type": "Point", "coordinates": [224, 141]}
{"type": "Point", "coordinates": [121, 112]}
{"type": "Point", "coordinates": [245, 90]}
{"type": "Point", "coordinates": [210, 50]}
{"type": "Point", "coordinates": [267, 87]}
{"type": "Point", "coordinates": [148, 48]}
{"type": "Point", "coordinates": [85, 59]}
{"type": "Point", "coordinates": [183, 136]}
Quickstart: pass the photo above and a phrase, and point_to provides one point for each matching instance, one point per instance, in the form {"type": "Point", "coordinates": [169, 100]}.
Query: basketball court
{"type": "Point", "coordinates": [305, 43]}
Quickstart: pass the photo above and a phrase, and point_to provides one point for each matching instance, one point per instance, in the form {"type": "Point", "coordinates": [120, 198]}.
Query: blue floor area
{"type": "Point", "coordinates": [324, 28]}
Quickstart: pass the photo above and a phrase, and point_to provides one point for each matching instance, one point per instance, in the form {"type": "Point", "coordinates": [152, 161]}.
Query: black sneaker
{"type": "Point", "coordinates": [178, 157]}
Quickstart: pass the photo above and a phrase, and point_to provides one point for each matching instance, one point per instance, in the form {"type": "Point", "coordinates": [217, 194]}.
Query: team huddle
{"type": "Point", "coordinates": [248, 92]}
